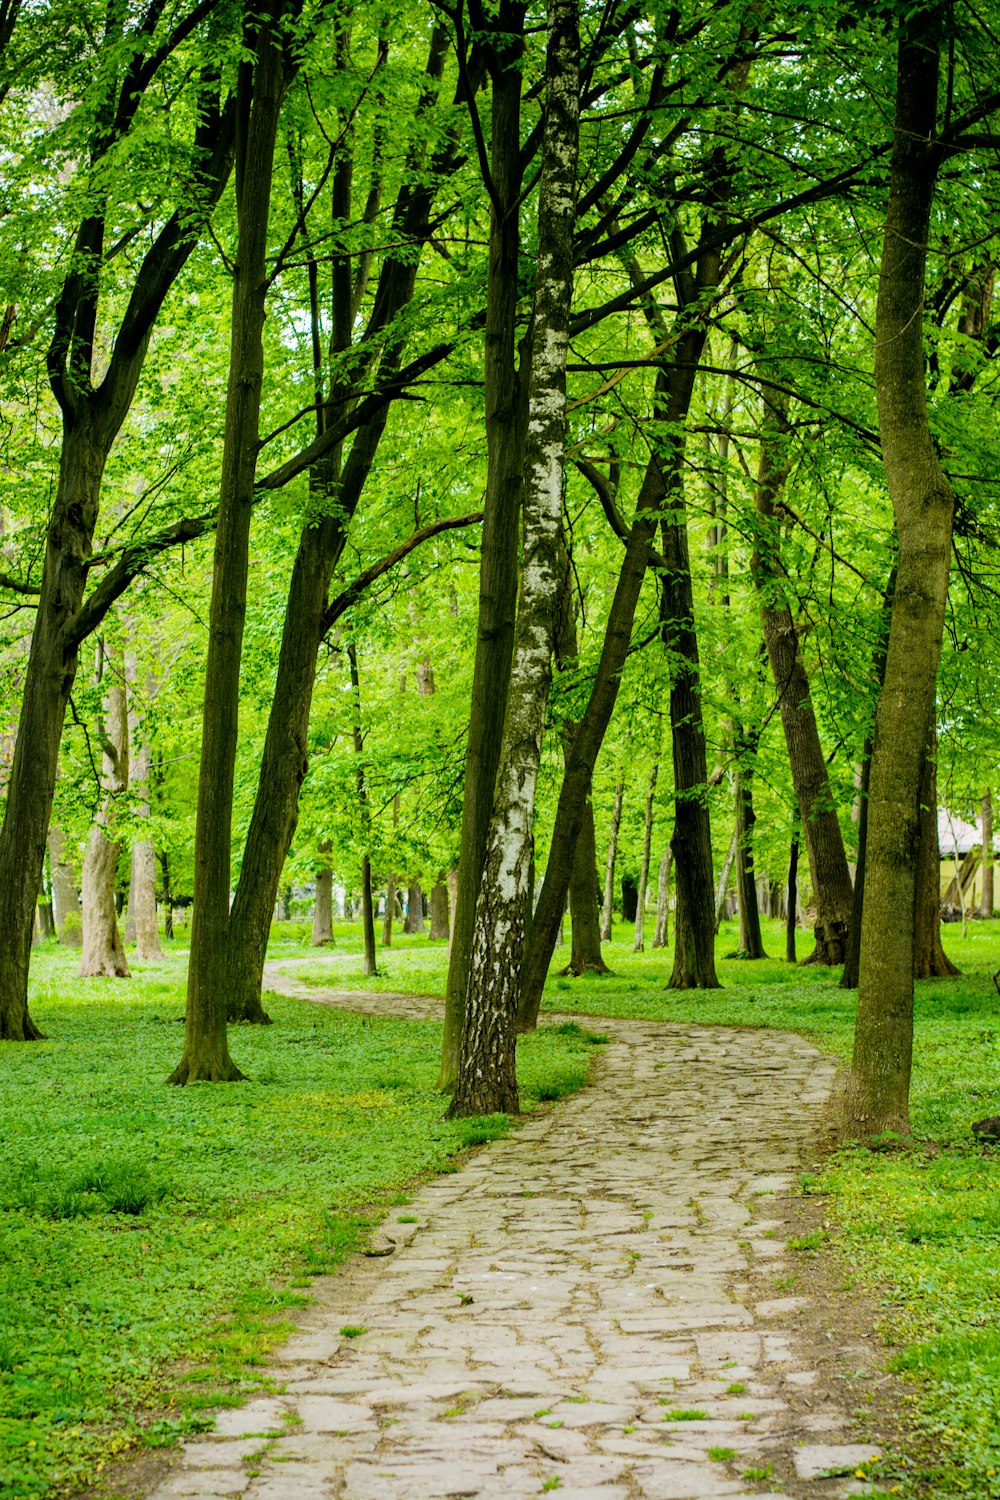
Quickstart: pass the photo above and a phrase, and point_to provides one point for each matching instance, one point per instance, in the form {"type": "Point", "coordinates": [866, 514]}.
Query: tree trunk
{"type": "Point", "coordinates": [452, 899]}
{"type": "Point", "coordinates": [722, 885]}
{"type": "Point", "coordinates": [414, 909]}
{"type": "Point", "coordinates": [929, 958]}
{"type": "Point", "coordinates": [661, 936]}
{"type": "Point", "coordinates": [831, 878]}
{"type": "Point", "coordinates": [322, 928]}
{"type": "Point", "coordinates": [487, 1078]}
{"type": "Point", "coordinates": [440, 925]}
{"type": "Point", "coordinates": [793, 891]}
{"type": "Point", "coordinates": [321, 544]}
{"type": "Point", "coordinates": [69, 926]}
{"type": "Point", "coordinates": [390, 911]}
{"type": "Point", "coordinates": [103, 953]}
{"type": "Point", "coordinates": [852, 959]}
{"type": "Point", "coordinates": [877, 1097]}
{"type": "Point", "coordinates": [608, 907]}
{"type": "Point", "coordinates": [502, 509]}
{"type": "Point", "coordinates": [168, 895]}
{"type": "Point", "coordinates": [216, 966]}
{"type": "Point", "coordinates": [141, 925]}
{"type": "Point", "coordinates": [985, 900]}
{"type": "Point", "coordinates": [751, 941]}
{"type": "Point", "coordinates": [585, 954]}
{"type": "Point", "coordinates": [639, 941]}
{"type": "Point", "coordinates": [694, 931]}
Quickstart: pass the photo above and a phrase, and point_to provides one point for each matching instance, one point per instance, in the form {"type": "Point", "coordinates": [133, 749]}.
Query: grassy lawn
{"type": "Point", "coordinates": [920, 1224]}
{"type": "Point", "coordinates": [155, 1242]}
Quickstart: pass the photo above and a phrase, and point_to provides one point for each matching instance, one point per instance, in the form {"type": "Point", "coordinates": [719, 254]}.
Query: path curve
{"type": "Point", "coordinates": [573, 1309]}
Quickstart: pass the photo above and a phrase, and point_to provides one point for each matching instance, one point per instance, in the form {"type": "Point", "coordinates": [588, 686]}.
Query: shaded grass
{"type": "Point", "coordinates": [155, 1242]}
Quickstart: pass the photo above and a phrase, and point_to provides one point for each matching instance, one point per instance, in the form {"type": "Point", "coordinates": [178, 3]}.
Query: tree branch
{"type": "Point", "coordinates": [342, 603]}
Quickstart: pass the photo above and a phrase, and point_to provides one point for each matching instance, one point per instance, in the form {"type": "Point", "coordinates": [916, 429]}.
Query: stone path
{"type": "Point", "coordinates": [572, 1310]}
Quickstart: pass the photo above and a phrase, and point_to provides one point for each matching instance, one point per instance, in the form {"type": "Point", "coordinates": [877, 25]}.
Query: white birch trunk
{"type": "Point", "coordinates": [487, 1080]}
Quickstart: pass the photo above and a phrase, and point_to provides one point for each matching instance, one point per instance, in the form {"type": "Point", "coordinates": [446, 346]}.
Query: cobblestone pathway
{"type": "Point", "coordinates": [573, 1310]}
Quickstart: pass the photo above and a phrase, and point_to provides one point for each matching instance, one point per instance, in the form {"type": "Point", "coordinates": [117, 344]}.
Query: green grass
{"type": "Point", "coordinates": [156, 1242]}
{"type": "Point", "coordinates": [921, 1225]}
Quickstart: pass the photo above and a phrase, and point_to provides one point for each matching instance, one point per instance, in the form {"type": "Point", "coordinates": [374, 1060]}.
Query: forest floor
{"type": "Point", "coordinates": [159, 1244]}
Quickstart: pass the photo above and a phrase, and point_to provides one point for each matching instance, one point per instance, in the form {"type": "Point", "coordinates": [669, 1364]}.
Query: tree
{"type": "Point", "coordinates": [92, 412]}
{"type": "Point", "coordinates": [487, 1080]}
{"type": "Point", "coordinates": [262, 84]}
{"type": "Point", "coordinates": [877, 1097]}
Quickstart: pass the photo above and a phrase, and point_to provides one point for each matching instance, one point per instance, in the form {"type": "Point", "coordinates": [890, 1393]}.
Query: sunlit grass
{"type": "Point", "coordinates": [148, 1231]}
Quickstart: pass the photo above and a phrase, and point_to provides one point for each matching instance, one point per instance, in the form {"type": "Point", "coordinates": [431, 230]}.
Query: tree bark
{"type": "Point", "coordinates": [440, 925]}
{"type": "Point", "coordinates": [103, 952]}
{"type": "Point", "coordinates": [751, 941]}
{"type": "Point", "coordinates": [322, 928]}
{"type": "Point", "coordinates": [852, 958]}
{"type": "Point", "coordinates": [661, 936]}
{"type": "Point", "coordinates": [608, 907]}
{"type": "Point", "coordinates": [929, 958]}
{"type": "Point", "coordinates": [390, 911]}
{"type": "Point", "coordinates": [487, 1078]}
{"type": "Point", "coordinates": [585, 952]}
{"type": "Point", "coordinates": [141, 924]}
{"type": "Point", "coordinates": [793, 891]}
{"type": "Point", "coordinates": [64, 895]}
{"type": "Point", "coordinates": [214, 960]}
{"type": "Point", "coordinates": [414, 908]}
{"type": "Point", "coordinates": [722, 884]}
{"type": "Point", "coordinates": [831, 879]}
{"type": "Point", "coordinates": [502, 508]}
{"type": "Point", "coordinates": [694, 931]}
{"type": "Point", "coordinates": [877, 1096]}
{"type": "Point", "coordinates": [639, 941]}
{"type": "Point", "coordinates": [368, 965]}
{"type": "Point", "coordinates": [985, 900]}
{"type": "Point", "coordinates": [452, 901]}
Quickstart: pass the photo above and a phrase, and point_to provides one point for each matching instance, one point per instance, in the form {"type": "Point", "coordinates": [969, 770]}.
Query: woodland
{"type": "Point", "coordinates": [492, 471]}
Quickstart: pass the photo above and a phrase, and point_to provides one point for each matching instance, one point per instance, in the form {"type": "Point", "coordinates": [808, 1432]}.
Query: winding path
{"type": "Point", "coordinates": [578, 1308]}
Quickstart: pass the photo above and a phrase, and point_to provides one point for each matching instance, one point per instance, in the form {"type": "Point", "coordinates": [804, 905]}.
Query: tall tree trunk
{"type": "Point", "coordinates": [661, 936]}
{"type": "Point", "coordinates": [168, 894]}
{"type": "Point", "coordinates": [64, 894]}
{"type": "Point", "coordinates": [321, 544]}
{"type": "Point", "coordinates": [322, 928]}
{"type": "Point", "coordinates": [751, 941]}
{"type": "Point", "coordinates": [141, 926]}
{"type": "Point", "coordinates": [694, 931]}
{"type": "Point", "coordinates": [440, 925]}
{"type": "Point", "coordinates": [985, 902]}
{"type": "Point", "coordinates": [608, 906]}
{"type": "Point", "coordinates": [206, 1048]}
{"type": "Point", "coordinates": [502, 508]}
{"type": "Point", "coordinates": [585, 953]}
{"type": "Point", "coordinates": [793, 892]}
{"type": "Point", "coordinates": [639, 941]}
{"type": "Point", "coordinates": [487, 1078]}
{"type": "Point", "coordinates": [929, 958]}
{"type": "Point", "coordinates": [831, 879]}
{"type": "Point", "coordinates": [852, 957]}
{"type": "Point", "coordinates": [877, 1097]}
{"type": "Point", "coordinates": [103, 953]}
